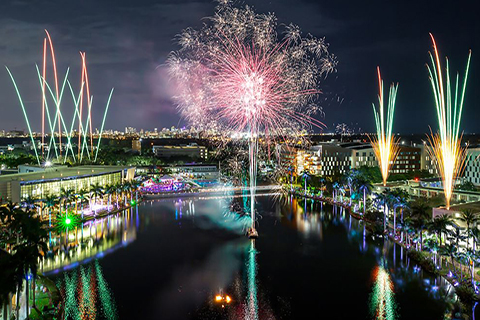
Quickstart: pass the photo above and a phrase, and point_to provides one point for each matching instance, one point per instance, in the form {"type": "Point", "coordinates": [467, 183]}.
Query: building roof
{"type": "Point", "coordinates": [62, 173]}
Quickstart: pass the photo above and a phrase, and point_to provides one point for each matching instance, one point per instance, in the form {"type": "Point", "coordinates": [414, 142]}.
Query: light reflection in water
{"type": "Point", "coordinates": [86, 294]}
{"type": "Point", "coordinates": [382, 299]}
{"type": "Point", "coordinates": [93, 239]}
{"type": "Point", "coordinates": [251, 312]}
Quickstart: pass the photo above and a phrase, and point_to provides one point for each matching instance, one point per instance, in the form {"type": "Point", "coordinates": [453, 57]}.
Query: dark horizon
{"type": "Point", "coordinates": [127, 43]}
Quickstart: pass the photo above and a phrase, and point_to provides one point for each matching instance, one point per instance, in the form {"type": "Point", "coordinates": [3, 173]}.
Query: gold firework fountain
{"type": "Point", "coordinates": [385, 145]}
{"type": "Point", "coordinates": [445, 145]}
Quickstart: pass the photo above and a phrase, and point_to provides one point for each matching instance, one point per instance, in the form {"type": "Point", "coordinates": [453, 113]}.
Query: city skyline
{"type": "Point", "coordinates": [132, 60]}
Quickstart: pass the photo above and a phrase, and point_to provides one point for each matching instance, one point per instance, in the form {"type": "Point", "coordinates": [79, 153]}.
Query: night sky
{"type": "Point", "coordinates": [128, 41]}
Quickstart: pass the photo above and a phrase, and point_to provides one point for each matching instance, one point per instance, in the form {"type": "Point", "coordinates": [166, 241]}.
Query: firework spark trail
{"type": "Point", "coordinates": [445, 145]}
{"type": "Point", "coordinates": [55, 93]}
{"type": "Point", "coordinates": [234, 75]}
{"type": "Point", "coordinates": [384, 144]}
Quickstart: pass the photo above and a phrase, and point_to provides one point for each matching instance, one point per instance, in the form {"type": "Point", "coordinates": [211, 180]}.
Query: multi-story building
{"type": "Point", "coordinates": [472, 166]}
{"type": "Point", "coordinates": [49, 182]}
{"type": "Point", "coordinates": [191, 151]}
{"type": "Point", "coordinates": [330, 158]}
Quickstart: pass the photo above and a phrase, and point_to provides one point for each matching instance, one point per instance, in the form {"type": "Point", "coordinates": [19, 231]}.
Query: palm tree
{"type": "Point", "coordinates": [8, 281]}
{"type": "Point", "coordinates": [450, 250]}
{"type": "Point", "coordinates": [365, 187]}
{"type": "Point", "coordinates": [351, 178]}
{"type": "Point", "coordinates": [400, 200]}
{"type": "Point", "coordinates": [384, 199]}
{"type": "Point", "coordinates": [29, 202]}
{"type": "Point", "coordinates": [290, 171]}
{"type": "Point", "coordinates": [66, 195]}
{"type": "Point", "coordinates": [135, 185]}
{"type": "Point", "coordinates": [440, 225]}
{"type": "Point", "coordinates": [97, 191]}
{"type": "Point", "coordinates": [305, 177]}
{"type": "Point", "coordinates": [82, 196]}
{"type": "Point", "coordinates": [50, 203]}
{"type": "Point", "coordinates": [419, 213]}
{"type": "Point", "coordinates": [457, 235]}
{"type": "Point", "coordinates": [109, 190]}
{"type": "Point", "coordinates": [119, 192]}
{"type": "Point", "coordinates": [470, 218]}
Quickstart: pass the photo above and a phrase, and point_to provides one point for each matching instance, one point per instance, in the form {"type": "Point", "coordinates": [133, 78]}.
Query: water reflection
{"type": "Point", "coordinates": [91, 240]}
{"type": "Point", "coordinates": [313, 220]}
{"type": "Point", "coordinates": [202, 265]}
{"type": "Point", "coordinates": [382, 300]}
{"type": "Point", "coordinates": [251, 304]}
{"type": "Point", "coordinates": [86, 294]}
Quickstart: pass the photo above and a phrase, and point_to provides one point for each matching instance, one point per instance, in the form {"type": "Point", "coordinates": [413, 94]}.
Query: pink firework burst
{"type": "Point", "coordinates": [233, 74]}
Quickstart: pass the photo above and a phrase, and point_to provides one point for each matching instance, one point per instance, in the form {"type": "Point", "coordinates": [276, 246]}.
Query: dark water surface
{"type": "Point", "coordinates": [169, 259]}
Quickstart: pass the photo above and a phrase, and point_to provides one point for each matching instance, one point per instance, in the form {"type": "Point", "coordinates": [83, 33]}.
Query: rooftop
{"type": "Point", "coordinates": [62, 173]}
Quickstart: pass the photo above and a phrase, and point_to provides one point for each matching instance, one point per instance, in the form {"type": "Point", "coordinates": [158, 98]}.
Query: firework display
{"type": "Point", "coordinates": [52, 106]}
{"type": "Point", "coordinates": [384, 144]}
{"type": "Point", "coordinates": [445, 146]}
{"type": "Point", "coordinates": [235, 75]}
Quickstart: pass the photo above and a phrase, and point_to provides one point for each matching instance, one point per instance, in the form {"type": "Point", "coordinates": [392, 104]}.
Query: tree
{"type": "Point", "coordinates": [365, 187]}
{"type": "Point", "coordinates": [399, 200]}
{"type": "Point", "coordinates": [419, 212]}
{"type": "Point", "coordinates": [450, 250]}
{"type": "Point", "coordinates": [470, 218]}
{"type": "Point", "coordinates": [466, 186]}
{"type": "Point", "coordinates": [305, 177]}
{"type": "Point", "coordinates": [385, 199]}
{"type": "Point", "coordinates": [66, 195]}
{"type": "Point", "coordinates": [50, 203]}
{"type": "Point", "coordinates": [440, 225]}
{"type": "Point", "coordinates": [82, 196]}
{"type": "Point", "coordinates": [97, 191]}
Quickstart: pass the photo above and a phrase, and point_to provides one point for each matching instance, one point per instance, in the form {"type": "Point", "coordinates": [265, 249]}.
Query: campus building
{"type": "Point", "coordinates": [49, 181]}
{"type": "Point", "coordinates": [327, 159]}
{"type": "Point", "coordinates": [472, 166]}
{"type": "Point", "coordinates": [193, 151]}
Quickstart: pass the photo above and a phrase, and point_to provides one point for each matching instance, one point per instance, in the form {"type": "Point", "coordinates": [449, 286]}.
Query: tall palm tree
{"type": "Point", "coordinates": [421, 217]}
{"type": "Point", "coordinates": [457, 235]}
{"type": "Point", "coordinates": [135, 185]}
{"type": "Point", "coordinates": [118, 192]}
{"type": "Point", "coordinates": [97, 191]}
{"type": "Point", "coordinates": [351, 178]}
{"type": "Point", "coordinates": [8, 281]}
{"type": "Point", "coordinates": [450, 250]}
{"type": "Point", "coordinates": [305, 177]}
{"type": "Point", "coordinates": [470, 218]}
{"type": "Point", "coordinates": [66, 196]}
{"type": "Point", "coordinates": [29, 202]}
{"type": "Point", "coordinates": [365, 187]}
{"type": "Point", "coordinates": [290, 171]}
{"type": "Point", "coordinates": [384, 199]}
{"type": "Point", "coordinates": [82, 196]}
{"type": "Point", "coordinates": [440, 225]}
{"type": "Point", "coordinates": [109, 190]}
{"type": "Point", "coordinates": [50, 203]}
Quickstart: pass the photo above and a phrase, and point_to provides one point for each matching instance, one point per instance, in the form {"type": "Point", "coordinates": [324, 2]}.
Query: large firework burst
{"type": "Point", "coordinates": [384, 144]}
{"type": "Point", "coordinates": [234, 74]}
{"type": "Point", "coordinates": [445, 148]}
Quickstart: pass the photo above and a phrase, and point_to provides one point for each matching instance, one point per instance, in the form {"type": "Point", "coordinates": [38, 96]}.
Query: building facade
{"type": "Point", "coordinates": [39, 185]}
{"type": "Point", "coordinates": [190, 151]}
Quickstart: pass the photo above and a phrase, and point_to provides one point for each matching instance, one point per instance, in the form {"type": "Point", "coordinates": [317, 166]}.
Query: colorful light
{"type": "Point", "coordinates": [55, 93]}
{"type": "Point", "coordinates": [234, 75]}
{"type": "Point", "coordinates": [384, 143]}
{"type": "Point", "coordinates": [382, 299]}
{"type": "Point", "coordinates": [445, 145]}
